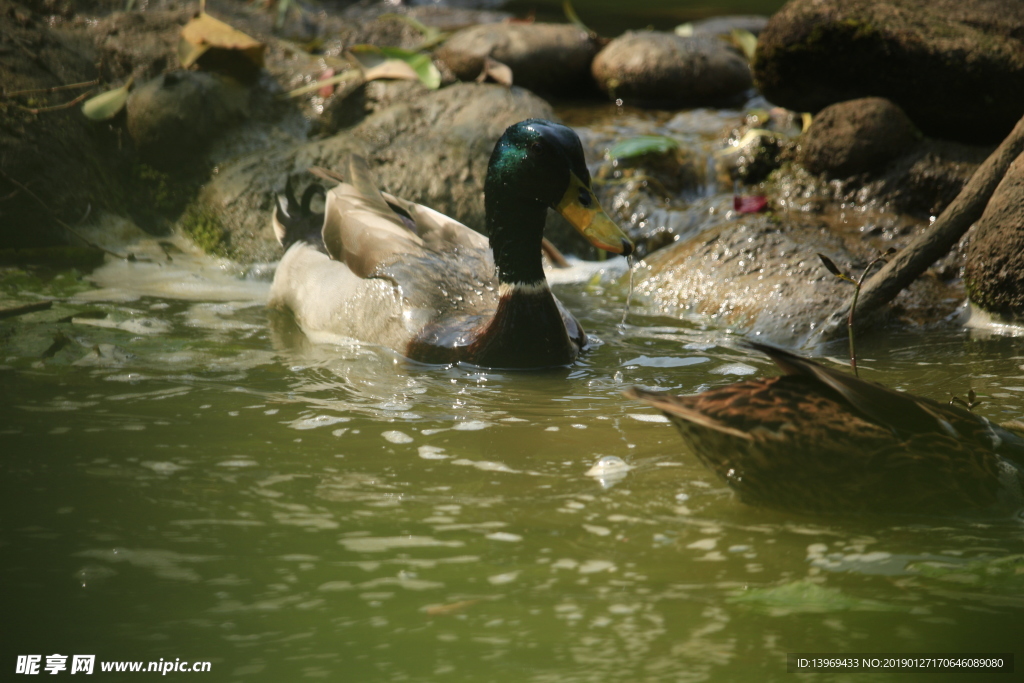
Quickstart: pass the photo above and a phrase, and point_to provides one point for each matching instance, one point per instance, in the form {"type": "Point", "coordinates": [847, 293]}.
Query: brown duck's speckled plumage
{"type": "Point", "coordinates": [821, 441]}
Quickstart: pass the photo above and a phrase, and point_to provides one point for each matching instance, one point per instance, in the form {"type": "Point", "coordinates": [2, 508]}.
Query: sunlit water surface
{"type": "Point", "coordinates": [186, 477]}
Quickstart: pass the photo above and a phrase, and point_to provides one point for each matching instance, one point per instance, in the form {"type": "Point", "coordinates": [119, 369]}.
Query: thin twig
{"type": "Point", "coordinates": [853, 309]}
{"type": "Point", "coordinates": [59, 222]}
{"type": "Point", "coordinates": [56, 88]}
{"type": "Point", "coordinates": [56, 107]}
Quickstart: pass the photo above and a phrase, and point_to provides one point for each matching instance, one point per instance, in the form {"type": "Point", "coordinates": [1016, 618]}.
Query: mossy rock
{"type": "Point", "coordinates": [994, 272]}
{"type": "Point", "coordinates": [956, 67]}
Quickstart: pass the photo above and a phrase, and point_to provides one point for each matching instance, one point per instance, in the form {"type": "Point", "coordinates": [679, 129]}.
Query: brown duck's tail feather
{"type": "Point", "coordinates": [672, 407]}
{"type": "Point", "coordinates": [900, 412]}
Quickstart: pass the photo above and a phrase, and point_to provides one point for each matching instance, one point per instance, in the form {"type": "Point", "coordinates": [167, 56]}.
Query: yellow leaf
{"type": "Point", "coordinates": [391, 69]}
{"type": "Point", "coordinates": [392, 62]}
{"type": "Point", "coordinates": [204, 32]}
{"type": "Point", "coordinates": [496, 71]}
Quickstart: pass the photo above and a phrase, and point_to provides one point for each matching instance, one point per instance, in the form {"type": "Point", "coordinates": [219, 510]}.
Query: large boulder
{"type": "Point", "coordinates": [956, 67]}
{"type": "Point", "coordinates": [994, 272]}
{"type": "Point", "coordinates": [173, 117]}
{"type": "Point", "coordinates": [858, 136]}
{"type": "Point", "coordinates": [432, 149]}
{"type": "Point", "coordinates": [760, 275]}
{"type": "Point", "coordinates": [546, 58]}
{"type": "Point", "coordinates": [656, 69]}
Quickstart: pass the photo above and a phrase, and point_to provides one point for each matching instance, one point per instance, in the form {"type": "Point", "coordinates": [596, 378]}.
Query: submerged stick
{"type": "Point", "coordinates": [935, 242]}
{"type": "Point", "coordinates": [15, 311]}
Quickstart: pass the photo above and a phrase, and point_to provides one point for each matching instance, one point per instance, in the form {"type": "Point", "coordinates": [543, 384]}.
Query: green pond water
{"type": "Point", "coordinates": [185, 477]}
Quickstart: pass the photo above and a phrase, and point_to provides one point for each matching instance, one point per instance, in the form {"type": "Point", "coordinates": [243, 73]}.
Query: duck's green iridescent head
{"type": "Point", "coordinates": [537, 163]}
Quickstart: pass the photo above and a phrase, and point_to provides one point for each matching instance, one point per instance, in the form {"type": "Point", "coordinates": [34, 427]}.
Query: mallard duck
{"type": "Point", "coordinates": [819, 440]}
{"type": "Point", "coordinates": [388, 271]}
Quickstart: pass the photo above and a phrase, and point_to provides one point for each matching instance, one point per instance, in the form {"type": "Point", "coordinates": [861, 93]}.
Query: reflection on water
{"type": "Point", "coordinates": [188, 477]}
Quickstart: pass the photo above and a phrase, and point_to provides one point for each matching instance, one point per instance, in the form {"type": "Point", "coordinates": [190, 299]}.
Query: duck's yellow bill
{"type": "Point", "coordinates": [580, 207]}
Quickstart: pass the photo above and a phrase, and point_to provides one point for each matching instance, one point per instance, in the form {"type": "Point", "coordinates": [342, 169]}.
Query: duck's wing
{"type": "Point", "coordinates": [438, 231]}
{"type": "Point", "coordinates": [369, 230]}
{"type": "Point", "coordinates": [360, 229]}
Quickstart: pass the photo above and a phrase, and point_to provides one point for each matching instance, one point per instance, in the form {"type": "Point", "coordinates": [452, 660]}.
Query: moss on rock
{"type": "Point", "coordinates": [204, 227]}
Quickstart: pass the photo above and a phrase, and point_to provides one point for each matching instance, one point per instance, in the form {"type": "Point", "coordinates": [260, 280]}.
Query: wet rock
{"type": "Point", "coordinates": [432, 149]}
{"type": "Point", "coordinates": [857, 136]}
{"type": "Point", "coordinates": [377, 23]}
{"type": "Point", "coordinates": [994, 272]}
{"type": "Point", "coordinates": [920, 183]}
{"type": "Point", "coordinates": [654, 69]}
{"type": "Point", "coordinates": [956, 67]}
{"type": "Point", "coordinates": [761, 275]}
{"type": "Point", "coordinates": [546, 58]}
{"type": "Point", "coordinates": [748, 274]}
{"type": "Point", "coordinates": [173, 117]}
{"type": "Point", "coordinates": [143, 44]}
{"type": "Point", "coordinates": [353, 104]}
{"type": "Point", "coordinates": [723, 26]}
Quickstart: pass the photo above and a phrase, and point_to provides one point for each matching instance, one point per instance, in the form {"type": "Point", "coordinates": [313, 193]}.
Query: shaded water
{"type": "Point", "coordinates": [186, 477]}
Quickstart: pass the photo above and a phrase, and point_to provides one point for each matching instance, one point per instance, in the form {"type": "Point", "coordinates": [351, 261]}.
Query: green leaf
{"type": "Point", "coordinates": [421, 63]}
{"type": "Point", "coordinates": [106, 105]}
{"type": "Point", "coordinates": [642, 144]}
{"type": "Point", "coordinates": [371, 57]}
{"type": "Point", "coordinates": [746, 41]}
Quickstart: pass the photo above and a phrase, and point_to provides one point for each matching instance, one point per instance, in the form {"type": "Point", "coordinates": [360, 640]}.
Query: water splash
{"type": "Point", "coordinates": [629, 295]}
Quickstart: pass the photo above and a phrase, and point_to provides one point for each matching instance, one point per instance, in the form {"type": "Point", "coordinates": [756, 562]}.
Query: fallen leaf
{"type": "Point", "coordinates": [642, 144]}
{"type": "Point", "coordinates": [204, 35]}
{"type": "Point", "coordinates": [745, 41]}
{"type": "Point", "coordinates": [391, 69]}
{"type": "Point", "coordinates": [496, 71]}
{"type": "Point", "coordinates": [749, 203]}
{"type": "Point", "coordinates": [106, 105]}
{"type": "Point", "coordinates": [396, 63]}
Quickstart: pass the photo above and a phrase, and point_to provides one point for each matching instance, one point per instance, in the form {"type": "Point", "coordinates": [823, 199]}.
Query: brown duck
{"type": "Point", "coordinates": [818, 440]}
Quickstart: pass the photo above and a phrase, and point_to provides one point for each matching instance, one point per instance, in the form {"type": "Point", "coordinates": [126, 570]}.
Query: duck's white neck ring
{"type": "Point", "coordinates": [507, 289]}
